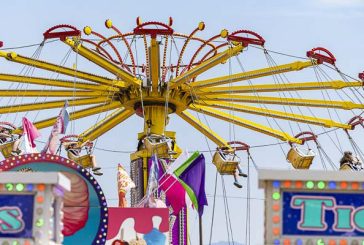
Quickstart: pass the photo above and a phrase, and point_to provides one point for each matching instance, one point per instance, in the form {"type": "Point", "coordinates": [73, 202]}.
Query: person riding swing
{"type": "Point", "coordinates": [350, 162]}
{"type": "Point", "coordinates": [74, 150]}
{"type": "Point", "coordinates": [6, 137]}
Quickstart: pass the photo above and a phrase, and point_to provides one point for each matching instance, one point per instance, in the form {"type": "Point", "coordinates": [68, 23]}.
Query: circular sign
{"type": "Point", "coordinates": [85, 208]}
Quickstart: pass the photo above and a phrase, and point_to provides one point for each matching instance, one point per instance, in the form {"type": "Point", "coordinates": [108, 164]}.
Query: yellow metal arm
{"type": "Point", "coordinates": [204, 66]}
{"type": "Point", "coordinates": [245, 123]}
{"type": "Point", "coordinates": [295, 66]}
{"type": "Point", "coordinates": [280, 87]}
{"type": "Point", "coordinates": [346, 105]}
{"type": "Point", "coordinates": [50, 105]}
{"type": "Point", "coordinates": [103, 62]}
{"type": "Point", "coordinates": [154, 63]}
{"type": "Point", "coordinates": [51, 93]}
{"type": "Point", "coordinates": [60, 69]}
{"type": "Point", "coordinates": [75, 115]}
{"type": "Point", "coordinates": [106, 124]}
{"type": "Point", "coordinates": [276, 114]}
{"type": "Point", "coordinates": [55, 82]}
{"type": "Point", "coordinates": [197, 124]}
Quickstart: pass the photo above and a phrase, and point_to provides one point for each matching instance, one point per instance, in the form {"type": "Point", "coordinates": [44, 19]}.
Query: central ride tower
{"type": "Point", "coordinates": [154, 106]}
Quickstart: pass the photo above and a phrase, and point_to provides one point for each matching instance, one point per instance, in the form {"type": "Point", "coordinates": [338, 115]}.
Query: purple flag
{"type": "Point", "coordinates": [193, 180]}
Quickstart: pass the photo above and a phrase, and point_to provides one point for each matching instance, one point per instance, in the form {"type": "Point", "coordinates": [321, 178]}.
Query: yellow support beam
{"type": "Point", "coordinates": [245, 123]}
{"type": "Point", "coordinates": [337, 84]}
{"type": "Point", "coordinates": [50, 105]}
{"type": "Point", "coordinates": [204, 66]}
{"type": "Point", "coordinates": [154, 63]}
{"type": "Point", "coordinates": [103, 62]}
{"type": "Point", "coordinates": [197, 124]}
{"type": "Point", "coordinates": [75, 115]}
{"type": "Point", "coordinates": [276, 114]}
{"type": "Point", "coordinates": [106, 124]}
{"type": "Point", "coordinates": [51, 93]}
{"type": "Point", "coordinates": [346, 105]}
{"type": "Point", "coordinates": [294, 66]}
{"type": "Point", "coordinates": [55, 82]}
{"type": "Point", "coordinates": [14, 57]}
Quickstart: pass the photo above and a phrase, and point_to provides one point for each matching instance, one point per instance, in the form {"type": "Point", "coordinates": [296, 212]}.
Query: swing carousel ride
{"type": "Point", "coordinates": [154, 72]}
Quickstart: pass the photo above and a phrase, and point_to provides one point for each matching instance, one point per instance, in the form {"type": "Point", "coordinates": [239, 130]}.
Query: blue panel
{"type": "Point", "coordinates": [16, 215]}
{"type": "Point", "coordinates": [291, 217]}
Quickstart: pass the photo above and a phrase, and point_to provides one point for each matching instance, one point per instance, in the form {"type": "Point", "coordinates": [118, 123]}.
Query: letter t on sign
{"type": "Point", "coordinates": [312, 211]}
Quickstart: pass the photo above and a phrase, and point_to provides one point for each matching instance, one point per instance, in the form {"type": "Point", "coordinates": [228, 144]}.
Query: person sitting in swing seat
{"type": "Point", "coordinates": [239, 172]}
{"type": "Point", "coordinates": [75, 149]}
{"type": "Point", "coordinates": [350, 162]}
{"type": "Point", "coordinates": [6, 136]}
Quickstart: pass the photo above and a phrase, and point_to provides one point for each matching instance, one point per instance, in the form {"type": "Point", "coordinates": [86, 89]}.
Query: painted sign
{"type": "Point", "coordinates": [330, 214]}
{"type": "Point", "coordinates": [16, 216]}
{"type": "Point", "coordinates": [149, 224]}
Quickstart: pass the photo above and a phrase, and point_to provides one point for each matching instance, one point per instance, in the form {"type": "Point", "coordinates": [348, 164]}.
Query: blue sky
{"type": "Point", "coordinates": [288, 26]}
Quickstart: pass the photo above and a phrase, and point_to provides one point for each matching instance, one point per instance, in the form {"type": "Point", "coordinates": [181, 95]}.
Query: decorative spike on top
{"type": "Point", "coordinates": [87, 30]}
{"type": "Point", "coordinates": [224, 33]}
{"type": "Point", "coordinates": [108, 24]}
{"type": "Point", "coordinates": [139, 21]}
{"type": "Point", "coordinates": [201, 26]}
{"type": "Point", "coordinates": [170, 21]}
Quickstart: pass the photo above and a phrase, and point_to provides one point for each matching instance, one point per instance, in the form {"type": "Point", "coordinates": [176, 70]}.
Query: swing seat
{"type": "Point", "coordinates": [6, 148]}
{"type": "Point", "coordinates": [350, 167]}
{"type": "Point", "coordinates": [225, 164]}
{"type": "Point", "coordinates": [157, 146]}
{"type": "Point", "coordinates": [345, 167]}
{"type": "Point", "coordinates": [85, 161]}
{"type": "Point", "coordinates": [300, 158]}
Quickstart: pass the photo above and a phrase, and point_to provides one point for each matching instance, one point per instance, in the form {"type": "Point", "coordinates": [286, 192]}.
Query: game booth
{"type": "Point", "coordinates": [313, 207]}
